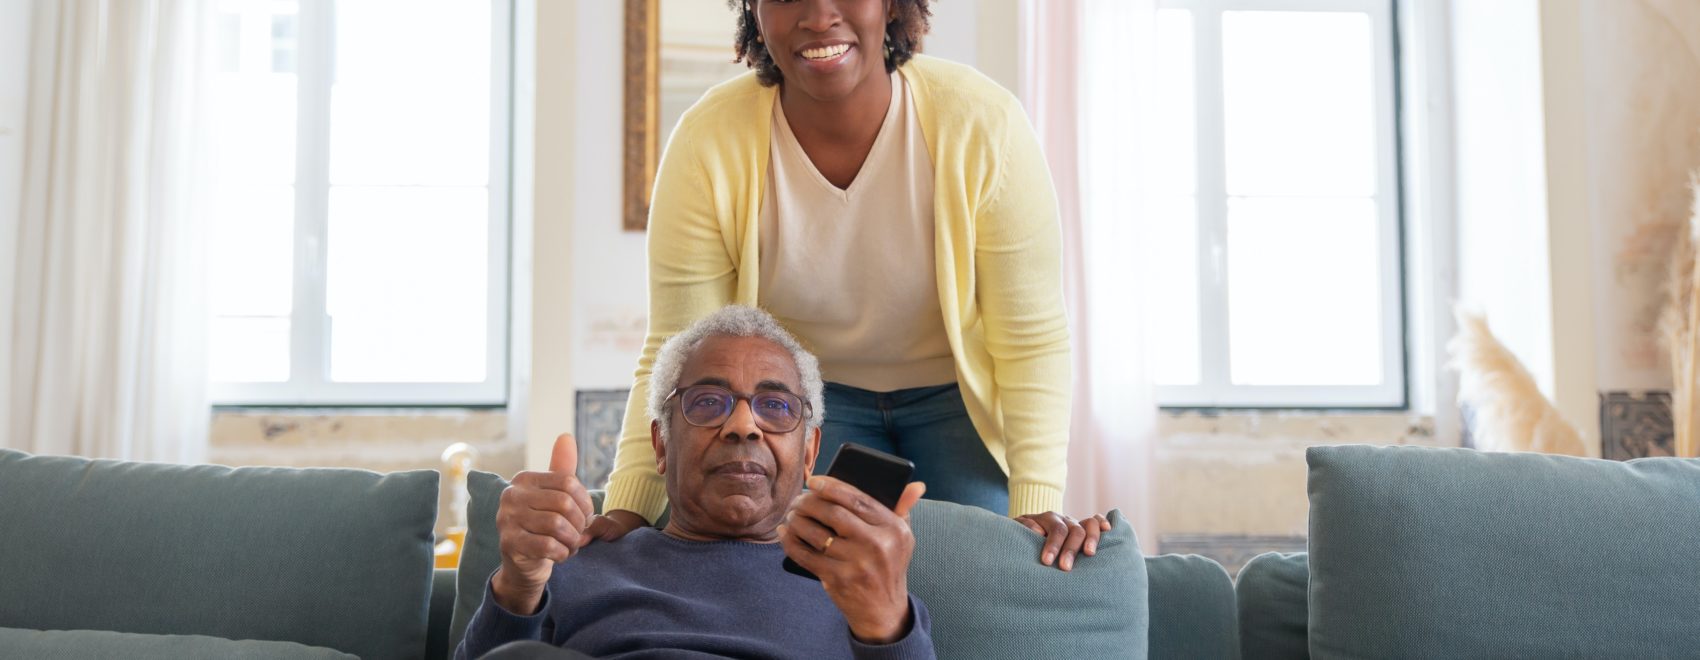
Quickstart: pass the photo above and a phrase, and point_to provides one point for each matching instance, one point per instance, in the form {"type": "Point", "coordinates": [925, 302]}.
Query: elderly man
{"type": "Point", "coordinates": [736, 404]}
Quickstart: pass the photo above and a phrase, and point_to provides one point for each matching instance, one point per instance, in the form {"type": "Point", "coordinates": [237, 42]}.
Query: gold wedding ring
{"type": "Point", "coordinates": [826, 545]}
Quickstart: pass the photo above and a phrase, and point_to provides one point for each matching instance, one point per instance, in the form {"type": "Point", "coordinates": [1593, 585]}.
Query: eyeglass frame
{"type": "Point", "coordinates": [740, 398]}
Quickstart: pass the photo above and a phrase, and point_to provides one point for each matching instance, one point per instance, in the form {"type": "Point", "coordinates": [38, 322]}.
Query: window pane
{"type": "Point", "coordinates": [285, 45]}
{"type": "Point", "coordinates": [1299, 103]}
{"type": "Point", "coordinates": [1174, 301]}
{"type": "Point", "coordinates": [252, 107]}
{"type": "Point", "coordinates": [1304, 292]}
{"type": "Point", "coordinates": [251, 225]}
{"type": "Point", "coordinates": [1174, 138]}
{"type": "Point", "coordinates": [251, 251]}
{"type": "Point", "coordinates": [249, 350]}
{"type": "Point", "coordinates": [407, 290]}
{"type": "Point", "coordinates": [411, 100]}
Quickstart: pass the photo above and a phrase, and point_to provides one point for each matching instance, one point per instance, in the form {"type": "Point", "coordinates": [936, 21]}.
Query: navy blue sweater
{"type": "Point", "coordinates": [650, 595]}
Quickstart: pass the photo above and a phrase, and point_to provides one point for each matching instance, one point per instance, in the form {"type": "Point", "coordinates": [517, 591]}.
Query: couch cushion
{"type": "Point", "coordinates": [1192, 609]}
{"type": "Point", "coordinates": [1271, 592]}
{"type": "Point", "coordinates": [1097, 610]}
{"type": "Point", "coordinates": [1422, 552]}
{"type": "Point", "coordinates": [82, 644]}
{"type": "Point", "coordinates": [980, 576]}
{"type": "Point", "coordinates": [442, 614]}
{"type": "Point", "coordinates": [482, 553]}
{"type": "Point", "coordinates": [336, 558]}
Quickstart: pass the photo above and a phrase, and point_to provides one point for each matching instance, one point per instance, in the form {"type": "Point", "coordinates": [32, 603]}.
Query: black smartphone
{"type": "Point", "coordinates": [882, 476]}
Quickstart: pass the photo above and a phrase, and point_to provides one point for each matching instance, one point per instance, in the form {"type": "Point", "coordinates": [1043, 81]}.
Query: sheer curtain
{"type": "Point", "coordinates": [108, 328]}
{"type": "Point", "coordinates": [1085, 68]}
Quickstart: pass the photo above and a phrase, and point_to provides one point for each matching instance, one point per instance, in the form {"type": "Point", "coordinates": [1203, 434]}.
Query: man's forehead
{"type": "Point", "coordinates": [721, 358]}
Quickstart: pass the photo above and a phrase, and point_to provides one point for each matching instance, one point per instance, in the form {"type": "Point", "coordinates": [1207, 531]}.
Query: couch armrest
{"type": "Point", "coordinates": [1193, 614]}
{"type": "Point", "coordinates": [442, 612]}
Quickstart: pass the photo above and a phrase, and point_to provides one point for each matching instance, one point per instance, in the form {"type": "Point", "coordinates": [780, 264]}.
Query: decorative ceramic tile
{"type": "Point", "coordinates": [600, 413]}
{"type": "Point", "coordinates": [1232, 552]}
{"type": "Point", "coordinates": [1636, 425]}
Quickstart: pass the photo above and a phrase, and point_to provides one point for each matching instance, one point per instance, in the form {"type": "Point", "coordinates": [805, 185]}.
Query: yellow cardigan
{"type": "Point", "coordinates": [999, 267]}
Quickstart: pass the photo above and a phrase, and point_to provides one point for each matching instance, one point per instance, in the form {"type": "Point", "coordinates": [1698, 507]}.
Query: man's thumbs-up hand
{"type": "Point", "coordinates": [541, 520]}
{"type": "Point", "coordinates": [564, 458]}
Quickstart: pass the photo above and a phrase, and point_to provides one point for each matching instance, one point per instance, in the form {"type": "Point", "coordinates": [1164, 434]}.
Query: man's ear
{"type": "Point", "coordinates": [811, 451]}
{"type": "Point", "coordinates": [660, 445]}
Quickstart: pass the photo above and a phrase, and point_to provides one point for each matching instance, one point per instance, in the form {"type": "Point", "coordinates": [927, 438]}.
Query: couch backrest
{"type": "Point", "coordinates": [977, 572]}
{"type": "Point", "coordinates": [1192, 609]}
{"type": "Point", "coordinates": [337, 558]}
{"type": "Point", "coordinates": [1271, 591]}
{"type": "Point", "coordinates": [1420, 552]}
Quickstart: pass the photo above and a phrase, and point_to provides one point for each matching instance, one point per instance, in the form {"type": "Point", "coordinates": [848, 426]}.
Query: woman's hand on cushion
{"type": "Point", "coordinates": [1064, 536]}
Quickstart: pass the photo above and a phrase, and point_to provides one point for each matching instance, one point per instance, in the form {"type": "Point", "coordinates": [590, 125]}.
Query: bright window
{"type": "Point", "coordinates": [359, 244]}
{"type": "Point", "coordinates": [1277, 205]}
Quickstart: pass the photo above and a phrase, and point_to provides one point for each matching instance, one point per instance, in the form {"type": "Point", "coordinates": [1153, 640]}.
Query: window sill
{"type": "Point", "coordinates": [379, 439]}
{"type": "Point", "coordinates": [1309, 427]}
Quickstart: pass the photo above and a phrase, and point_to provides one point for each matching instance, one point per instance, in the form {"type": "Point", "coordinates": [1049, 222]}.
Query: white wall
{"type": "Point", "coordinates": [610, 296]}
{"type": "Point", "coordinates": [1501, 175]}
{"type": "Point", "coordinates": [1578, 125]}
{"type": "Point", "coordinates": [1643, 136]}
{"type": "Point", "coordinates": [979, 33]}
{"type": "Point", "coordinates": [1524, 239]}
{"type": "Point", "coordinates": [14, 87]}
{"type": "Point", "coordinates": [1570, 251]}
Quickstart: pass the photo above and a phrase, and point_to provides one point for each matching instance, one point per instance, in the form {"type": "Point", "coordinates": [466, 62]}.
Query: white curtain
{"type": "Point", "coordinates": [1084, 76]}
{"type": "Point", "coordinates": [107, 350]}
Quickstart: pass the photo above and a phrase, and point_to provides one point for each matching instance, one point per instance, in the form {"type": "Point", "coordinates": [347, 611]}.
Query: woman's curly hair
{"type": "Point", "coordinates": [903, 35]}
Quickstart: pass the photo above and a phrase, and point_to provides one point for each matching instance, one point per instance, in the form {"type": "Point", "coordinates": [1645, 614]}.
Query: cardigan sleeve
{"type": "Point", "coordinates": [691, 273]}
{"type": "Point", "coordinates": [1018, 270]}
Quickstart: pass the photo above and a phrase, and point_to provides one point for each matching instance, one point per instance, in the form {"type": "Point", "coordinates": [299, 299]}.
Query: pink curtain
{"type": "Point", "coordinates": [1083, 70]}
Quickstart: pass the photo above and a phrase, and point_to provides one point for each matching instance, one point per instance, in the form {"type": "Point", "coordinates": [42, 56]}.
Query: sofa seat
{"type": "Point", "coordinates": [82, 644]}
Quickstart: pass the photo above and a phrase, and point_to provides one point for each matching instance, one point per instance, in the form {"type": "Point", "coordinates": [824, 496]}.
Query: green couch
{"type": "Point", "coordinates": [1452, 553]}
{"type": "Point", "coordinates": [104, 558]}
{"type": "Point", "coordinates": [1415, 553]}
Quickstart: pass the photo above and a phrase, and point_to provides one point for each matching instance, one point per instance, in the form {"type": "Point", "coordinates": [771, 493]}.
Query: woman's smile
{"type": "Point", "coordinates": [825, 57]}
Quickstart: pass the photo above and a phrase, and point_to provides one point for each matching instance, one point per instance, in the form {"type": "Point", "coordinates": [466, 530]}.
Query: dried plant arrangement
{"type": "Point", "coordinates": [1679, 323]}
{"type": "Point", "coordinates": [1510, 413]}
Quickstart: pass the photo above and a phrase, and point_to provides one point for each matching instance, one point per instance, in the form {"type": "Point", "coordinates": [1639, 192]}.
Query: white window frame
{"type": "Point", "coordinates": [1215, 389]}
{"type": "Point", "coordinates": [309, 383]}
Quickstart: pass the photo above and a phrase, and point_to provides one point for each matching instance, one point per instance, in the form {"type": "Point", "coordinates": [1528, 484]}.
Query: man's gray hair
{"type": "Point", "coordinates": [732, 321]}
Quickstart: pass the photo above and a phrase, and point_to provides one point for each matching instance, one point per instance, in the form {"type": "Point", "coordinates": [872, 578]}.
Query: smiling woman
{"type": "Point", "coordinates": [894, 212]}
{"type": "Point", "coordinates": [908, 24]}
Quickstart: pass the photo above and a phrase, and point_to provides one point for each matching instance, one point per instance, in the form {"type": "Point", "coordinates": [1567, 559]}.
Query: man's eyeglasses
{"type": "Point", "coordinates": [711, 405]}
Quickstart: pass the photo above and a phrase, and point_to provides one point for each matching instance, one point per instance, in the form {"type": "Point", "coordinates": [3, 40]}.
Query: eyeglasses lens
{"type": "Point", "coordinates": [707, 405]}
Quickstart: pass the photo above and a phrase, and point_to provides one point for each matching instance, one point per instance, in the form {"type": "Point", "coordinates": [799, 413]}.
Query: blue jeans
{"type": "Point", "coordinates": [927, 425]}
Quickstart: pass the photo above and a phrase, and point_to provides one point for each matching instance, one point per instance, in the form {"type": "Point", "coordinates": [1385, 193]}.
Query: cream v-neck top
{"type": "Point", "coordinates": [851, 271]}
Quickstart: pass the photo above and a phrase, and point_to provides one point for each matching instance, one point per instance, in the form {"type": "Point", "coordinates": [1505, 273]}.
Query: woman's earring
{"type": "Point", "coordinates": [758, 39]}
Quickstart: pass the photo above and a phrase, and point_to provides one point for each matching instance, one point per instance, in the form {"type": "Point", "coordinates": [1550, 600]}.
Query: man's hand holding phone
{"type": "Point", "coordinates": [541, 520]}
{"type": "Point", "coordinates": [857, 548]}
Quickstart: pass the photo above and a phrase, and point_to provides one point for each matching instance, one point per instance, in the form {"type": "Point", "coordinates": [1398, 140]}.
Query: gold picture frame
{"type": "Point", "coordinates": [642, 103]}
